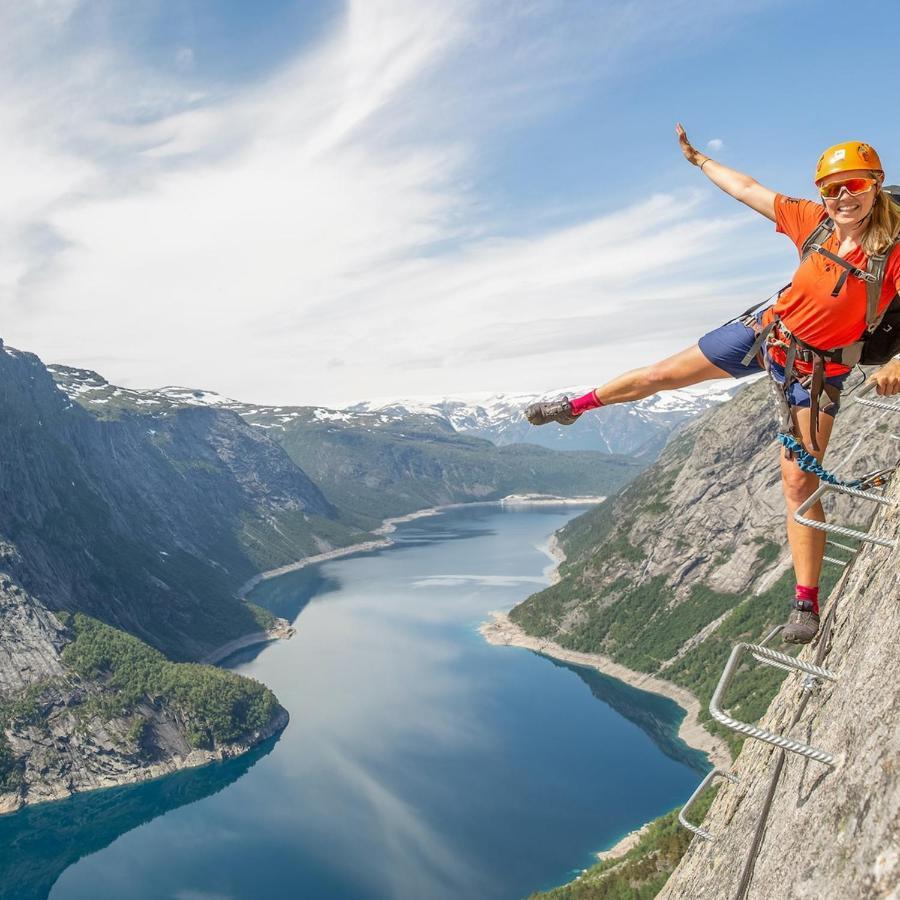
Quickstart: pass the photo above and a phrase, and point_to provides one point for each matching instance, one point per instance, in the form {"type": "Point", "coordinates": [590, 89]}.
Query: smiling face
{"type": "Point", "coordinates": [848, 210]}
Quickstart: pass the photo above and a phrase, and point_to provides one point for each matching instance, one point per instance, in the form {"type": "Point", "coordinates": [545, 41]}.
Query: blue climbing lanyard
{"type": "Point", "coordinates": [808, 463]}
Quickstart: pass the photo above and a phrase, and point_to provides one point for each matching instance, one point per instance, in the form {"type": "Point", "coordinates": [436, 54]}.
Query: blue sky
{"type": "Point", "coordinates": [326, 202]}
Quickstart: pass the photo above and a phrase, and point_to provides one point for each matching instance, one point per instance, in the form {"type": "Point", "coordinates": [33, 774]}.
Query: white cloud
{"type": "Point", "coordinates": [716, 144]}
{"type": "Point", "coordinates": [325, 221]}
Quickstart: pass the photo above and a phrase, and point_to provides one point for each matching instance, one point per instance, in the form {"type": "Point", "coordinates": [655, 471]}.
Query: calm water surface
{"type": "Point", "coordinates": [419, 762]}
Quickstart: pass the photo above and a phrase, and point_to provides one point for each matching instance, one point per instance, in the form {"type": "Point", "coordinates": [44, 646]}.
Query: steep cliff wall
{"type": "Point", "coordinates": [147, 519]}
{"type": "Point", "coordinates": [691, 556]}
{"type": "Point", "coordinates": [831, 832]}
{"type": "Point", "coordinates": [83, 705]}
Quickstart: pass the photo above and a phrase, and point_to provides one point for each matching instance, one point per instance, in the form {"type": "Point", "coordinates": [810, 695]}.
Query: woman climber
{"type": "Point", "coordinates": [848, 276]}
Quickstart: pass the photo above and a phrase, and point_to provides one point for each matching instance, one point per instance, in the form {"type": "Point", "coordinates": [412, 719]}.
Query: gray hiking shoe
{"type": "Point", "coordinates": [802, 624]}
{"type": "Point", "coordinates": [545, 411]}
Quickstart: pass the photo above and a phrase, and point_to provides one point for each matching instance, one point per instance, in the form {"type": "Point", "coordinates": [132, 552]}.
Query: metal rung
{"type": "Point", "coordinates": [823, 489]}
{"type": "Point", "coordinates": [763, 643]}
{"type": "Point", "coordinates": [835, 562]}
{"type": "Point", "coordinates": [879, 404]}
{"type": "Point", "coordinates": [682, 815]}
{"type": "Point", "coordinates": [843, 546]}
{"type": "Point", "coordinates": [781, 661]}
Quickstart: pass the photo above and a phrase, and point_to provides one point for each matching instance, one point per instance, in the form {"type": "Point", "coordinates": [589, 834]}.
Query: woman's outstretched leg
{"type": "Point", "coordinates": [688, 367]}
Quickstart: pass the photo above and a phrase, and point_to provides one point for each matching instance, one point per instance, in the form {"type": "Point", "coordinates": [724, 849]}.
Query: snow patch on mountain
{"type": "Point", "coordinates": [635, 429]}
{"type": "Point", "coordinates": [640, 428]}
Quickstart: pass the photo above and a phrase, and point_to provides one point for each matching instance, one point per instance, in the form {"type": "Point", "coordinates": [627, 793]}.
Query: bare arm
{"type": "Point", "coordinates": [741, 187]}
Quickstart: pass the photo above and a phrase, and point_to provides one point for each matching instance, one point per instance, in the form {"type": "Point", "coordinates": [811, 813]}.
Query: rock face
{"type": "Point", "coordinates": [656, 573]}
{"type": "Point", "coordinates": [61, 733]}
{"type": "Point", "coordinates": [31, 640]}
{"type": "Point", "coordinates": [147, 518]}
{"type": "Point", "coordinates": [831, 832]}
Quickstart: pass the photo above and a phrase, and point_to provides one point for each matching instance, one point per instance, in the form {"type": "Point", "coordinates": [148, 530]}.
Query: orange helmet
{"type": "Point", "coordinates": [846, 157]}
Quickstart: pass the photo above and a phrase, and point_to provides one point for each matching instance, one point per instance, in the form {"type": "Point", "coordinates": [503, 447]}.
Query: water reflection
{"type": "Point", "coordinates": [658, 717]}
{"type": "Point", "coordinates": [421, 762]}
{"type": "Point", "coordinates": [40, 842]}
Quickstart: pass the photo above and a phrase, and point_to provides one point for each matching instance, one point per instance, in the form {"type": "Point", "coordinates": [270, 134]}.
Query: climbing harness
{"type": "Point", "coordinates": [879, 341]}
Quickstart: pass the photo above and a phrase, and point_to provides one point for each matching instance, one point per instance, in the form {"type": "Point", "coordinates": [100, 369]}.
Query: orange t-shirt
{"type": "Point", "coordinates": [807, 307]}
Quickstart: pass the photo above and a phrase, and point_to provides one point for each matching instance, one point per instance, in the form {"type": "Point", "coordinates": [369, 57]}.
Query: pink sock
{"type": "Point", "coordinates": [805, 592]}
{"type": "Point", "coordinates": [582, 404]}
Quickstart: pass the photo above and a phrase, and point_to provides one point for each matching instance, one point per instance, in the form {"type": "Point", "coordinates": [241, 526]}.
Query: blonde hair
{"type": "Point", "coordinates": [884, 225]}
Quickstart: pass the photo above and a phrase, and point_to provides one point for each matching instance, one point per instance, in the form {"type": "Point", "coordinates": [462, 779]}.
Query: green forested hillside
{"type": "Point", "coordinates": [371, 468]}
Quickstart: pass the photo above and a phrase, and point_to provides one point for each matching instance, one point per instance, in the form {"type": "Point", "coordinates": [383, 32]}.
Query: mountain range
{"type": "Point", "coordinates": [639, 430]}
{"type": "Point", "coordinates": [129, 522]}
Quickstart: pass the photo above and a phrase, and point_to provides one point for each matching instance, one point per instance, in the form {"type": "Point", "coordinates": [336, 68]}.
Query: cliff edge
{"type": "Point", "coordinates": [831, 832]}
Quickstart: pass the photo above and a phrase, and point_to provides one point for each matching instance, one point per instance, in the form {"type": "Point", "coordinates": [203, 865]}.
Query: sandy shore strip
{"type": "Point", "coordinates": [280, 631]}
{"type": "Point", "coordinates": [632, 839]}
{"type": "Point", "coordinates": [557, 555]}
{"type": "Point", "coordinates": [503, 631]}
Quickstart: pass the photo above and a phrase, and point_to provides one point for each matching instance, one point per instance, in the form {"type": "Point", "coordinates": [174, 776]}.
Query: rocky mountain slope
{"type": "Point", "coordinates": [121, 529]}
{"type": "Point", "coordinates": [83, 705]}
{"type": "Point", "coordinates": [831, 832]}
{"type": "Point", "coordinates": [686, 561]}
{"type": "Point", "coordinates": [636, 429]}
{"type": "Point", "coordinates": [691, 556]}
{"type": "Point", "coordinates": [375, 464]}
{"type": "Point", "coordinates": [146, 518]}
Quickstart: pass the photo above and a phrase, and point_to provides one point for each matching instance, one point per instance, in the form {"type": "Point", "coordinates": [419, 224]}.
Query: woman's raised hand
{"type": "Point", "coordinates": [691, 154]}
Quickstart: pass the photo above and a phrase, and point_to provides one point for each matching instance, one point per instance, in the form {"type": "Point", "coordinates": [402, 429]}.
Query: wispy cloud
{"type": "Point", "coordinates": [715, 144]}
{"type": "Point", "coordinates": [329, 217]}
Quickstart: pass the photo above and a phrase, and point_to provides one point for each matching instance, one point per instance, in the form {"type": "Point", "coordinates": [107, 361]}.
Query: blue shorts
{"type": "Point", "coordinates": [727, 345]}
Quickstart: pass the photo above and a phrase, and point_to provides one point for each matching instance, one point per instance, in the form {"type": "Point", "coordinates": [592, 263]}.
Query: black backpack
{"type": "Point", "coordinates": [881, 339]}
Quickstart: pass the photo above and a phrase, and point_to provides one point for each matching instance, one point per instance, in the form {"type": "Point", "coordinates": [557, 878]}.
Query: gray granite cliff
{"type": "Point", "coordinates": [831, 832]}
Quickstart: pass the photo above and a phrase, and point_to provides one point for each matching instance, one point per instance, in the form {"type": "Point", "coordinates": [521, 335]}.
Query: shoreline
{"type": "Point", "coordinates": [390, 524]}
{"type": "Point", "coordinates": [502, 631]}
{"type": "Point", "coordinates": [280, 631]}
{"type": "Point", "coordinates": [283, 629]}
{"type": "Point", "coordinates": [621, 847]}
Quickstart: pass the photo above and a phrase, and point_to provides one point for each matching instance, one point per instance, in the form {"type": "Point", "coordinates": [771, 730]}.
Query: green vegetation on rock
{"type": "Point", "coordinates": [216, 706]}
{"type": "Point", "coordinates": [9, 770]}
{"type": "Point", "coordinates": [641, 873]}
{"type": "Point", "coordinates": [23, 708]}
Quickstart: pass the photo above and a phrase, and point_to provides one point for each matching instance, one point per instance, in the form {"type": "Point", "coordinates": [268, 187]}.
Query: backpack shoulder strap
{"type": "Point", "coordinates": [818, 235]}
